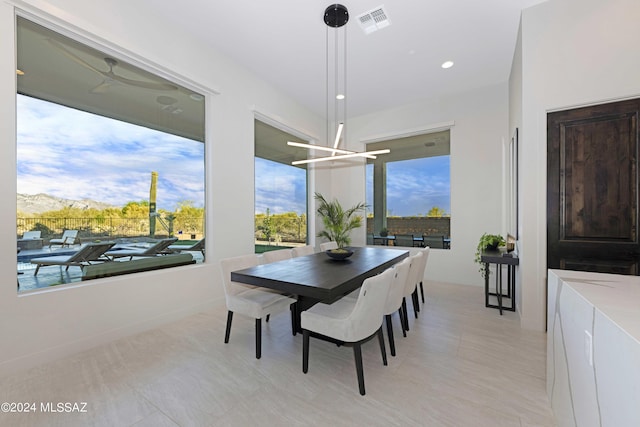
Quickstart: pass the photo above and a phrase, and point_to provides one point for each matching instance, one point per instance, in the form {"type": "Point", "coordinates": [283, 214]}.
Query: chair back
{"type": "Point", "coordinates": [277, 255]}
{"type": "Point", "coordinates": [423, 264]}
{"type": "Point", "coordinates": [232, 264]}
{"type": "Point", "coordinates": [414, 270]}
{"type": "Point", "coordinates": [328, 245]}
{"type": "Point", "coordinates": [69, 237]}
{"type": "Point", "coordinates": [404, 240]}
{"type": "Point", "coordinates": [435, 242]}
{"type": "Point", "coordinates": [302, 251]}
{"type": "Point", "coordinates": [160, 246]}
{"type": "Point", "coordinates": [369, 238]}
{"type": "Point", "coordinates": [90, 252]}
{"type": "Point", "coordinates": [31, 235]}
{"type": "Point", "coordinates": [368, 311]}
{"type": "Point", "coordinates": [396, 291]}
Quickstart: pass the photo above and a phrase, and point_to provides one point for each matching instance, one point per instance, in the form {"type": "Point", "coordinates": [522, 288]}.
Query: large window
{"type": "Point", "coordinates": [109, 156]}
{"type": "Point", "coordinates": [280, 191]}
{"type": "Point", "coordinates": [408, 192]}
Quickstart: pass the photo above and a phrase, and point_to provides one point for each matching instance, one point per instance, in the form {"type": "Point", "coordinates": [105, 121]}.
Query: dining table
{"type": "Point", "coordinates": [317, 277]}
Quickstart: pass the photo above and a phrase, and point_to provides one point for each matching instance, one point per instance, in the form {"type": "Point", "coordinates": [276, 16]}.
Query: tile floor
{"type": "Point", "coordinates": [461, 365]}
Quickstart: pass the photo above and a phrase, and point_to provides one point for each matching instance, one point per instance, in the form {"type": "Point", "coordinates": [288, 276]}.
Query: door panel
{"type": "Point", "coordinates": [592, 188]}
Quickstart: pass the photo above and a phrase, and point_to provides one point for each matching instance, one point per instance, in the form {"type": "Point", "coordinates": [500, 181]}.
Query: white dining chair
{"type": "Point", "coordinates": [250, 301]}
{"type": "Point", "coordinates": [394, 299]}
{"type": "Point", "coordinates": [410, 288]}
{"type": "Point", "coordinates": [277, 255]}
{"type": "Point", "coordinates": [423, 268]}
{"type": "Point", "coordinates": [302, 250]}
{"type": "Point", "coordinates": [350, 321]}
{"type": "Point", "coordinates": [328, 245]}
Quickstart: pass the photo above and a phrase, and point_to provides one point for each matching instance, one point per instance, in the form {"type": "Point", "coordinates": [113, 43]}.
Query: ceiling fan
{"type": "Point", "coordinates": [110, 78]}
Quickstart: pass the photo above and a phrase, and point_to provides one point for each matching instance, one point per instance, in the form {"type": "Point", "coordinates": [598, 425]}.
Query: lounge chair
{"type": "Point", "coordinates": [31, 235]}
{"type": "Point", "coordinates": [197, 246]}
{"type": "Point", "coordinates": [69, 237]}
{"type": "Point", "coordinates": [92, 252]}
{"type": "Point", "coordinates": [159, 248]}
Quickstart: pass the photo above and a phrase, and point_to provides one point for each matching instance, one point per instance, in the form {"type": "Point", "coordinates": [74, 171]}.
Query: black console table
{"type": "Point", "coordinates": [500, 258]}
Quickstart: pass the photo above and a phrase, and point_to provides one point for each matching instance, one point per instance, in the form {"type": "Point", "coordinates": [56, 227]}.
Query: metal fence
{"type": "Point", "coordinates": [105, 228]}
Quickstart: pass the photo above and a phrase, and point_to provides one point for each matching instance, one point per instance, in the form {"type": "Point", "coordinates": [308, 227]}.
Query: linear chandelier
{"type": "Point", "coordinates": [336, 16]}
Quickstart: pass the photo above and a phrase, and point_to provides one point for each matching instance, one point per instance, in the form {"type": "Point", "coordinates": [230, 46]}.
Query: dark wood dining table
{"type": "Point", "coordinates": [318, 278]}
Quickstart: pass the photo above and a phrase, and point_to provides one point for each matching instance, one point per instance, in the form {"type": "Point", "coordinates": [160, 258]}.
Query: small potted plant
{"type": "Point", "coordinates": [338, 223]}
{"type": "Point", "coordinates": [384, 232]}
{"type": "Point", "coordinates": [490, 242]}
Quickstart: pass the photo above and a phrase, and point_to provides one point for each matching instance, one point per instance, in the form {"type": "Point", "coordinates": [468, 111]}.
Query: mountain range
{"type": "Point", "coordinates": [38, 203]}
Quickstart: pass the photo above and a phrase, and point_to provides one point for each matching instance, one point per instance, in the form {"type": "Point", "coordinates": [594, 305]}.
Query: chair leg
{"type": "Point", "coordinates": [406, 314]}
{"type": "Point", "coordinates": [305, 351]}
{"type": "Point", "coordinates": [292, 308]}
{"type": "Point", "coordinates": [383, 351]}
{"type": "Point", "coordinates": [258, 338]}
{"type": "Point", "coordinates": [422, 292]}
{"type": "Point", "coordinates": [392, 344]}
{"type": "Point", "coordinates": [416, 305]}
{"type": "Point", "coordinates": [402, 322]}
{"type": "Point", "coordinates": [228, 331]}
{"type": "Point", "coordinates": [357, 354]}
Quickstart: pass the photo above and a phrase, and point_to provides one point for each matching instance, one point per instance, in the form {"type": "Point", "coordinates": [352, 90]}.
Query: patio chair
{"type": "Point", "coordinates": [404, 240]}
{"type": "Point", "coordinates": [91, 253]}
{"type": "Point", "coordinates": [197, 246]}
{"type": "Point", "coordinates": [69, 237]}
{"type": "Point", "coordinates": [159, 248]}
{"type": "Point", "coordinates": [31, 235]}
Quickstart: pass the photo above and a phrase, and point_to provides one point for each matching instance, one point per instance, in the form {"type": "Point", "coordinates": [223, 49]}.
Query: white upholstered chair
{"type": "Point", "coordinates": [277, 255]}
{"type": "Point", "coordinates": [249, 300]}
{"type": "Point", "coordinates": [350, 321]}
{"type": "Point", "coordinates": [302, 250]}
{"type": "Point", "coordinates": [394, 299]}
{"type": "Point", "coordinates": [410, 288]}
{"type": "Point", "coordinates": [423, 268]}
{"type": "Point", "coordinates": [328, 245]}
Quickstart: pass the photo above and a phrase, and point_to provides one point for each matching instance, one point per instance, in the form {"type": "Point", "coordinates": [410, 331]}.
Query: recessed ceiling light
{"type": "Point", "coordinates": [196, 97]}
{"type": "Point", "coordinates": [339, 96]}
{"type": "Point", "coordinates": [447, 64]}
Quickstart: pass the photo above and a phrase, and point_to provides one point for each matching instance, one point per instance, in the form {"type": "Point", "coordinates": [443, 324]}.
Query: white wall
{"type": "Point", "coordinates": [574, 53]}
{"type": "Point", "coordinates": [41, 326]}
{"type": "Point", "coordinates": [477, 163]}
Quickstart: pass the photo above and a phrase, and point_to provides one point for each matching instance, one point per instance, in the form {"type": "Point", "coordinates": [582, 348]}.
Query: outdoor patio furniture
{"type": "Point", "coordinates": [91, 253]}
{"type": "Point", "coordinates": [197, 246]}
{"type": "Point", "coordinates": [159, 248]}
{"type": "Point", "coordinates": [69, 237]}
{"type": "Point", "coordinates": [30, 240]}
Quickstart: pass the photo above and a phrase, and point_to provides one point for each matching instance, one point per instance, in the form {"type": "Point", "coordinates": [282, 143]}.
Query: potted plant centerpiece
{"type": "Point", "coordinates": [338, 223]}
{"type": "Point", "coordinates": [487, 242]}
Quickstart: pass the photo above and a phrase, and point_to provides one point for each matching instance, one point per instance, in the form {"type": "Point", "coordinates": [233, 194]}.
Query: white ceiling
{"type": "Point", "coordinates": [284, 42]}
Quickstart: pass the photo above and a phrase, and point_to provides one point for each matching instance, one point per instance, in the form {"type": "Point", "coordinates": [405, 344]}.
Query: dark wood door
{"type": "Point", "coordinates": [592, 188]}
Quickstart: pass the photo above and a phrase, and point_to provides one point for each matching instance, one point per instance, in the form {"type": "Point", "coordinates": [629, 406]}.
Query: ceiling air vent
{"type": "Point", "coordinates": [373, 20]}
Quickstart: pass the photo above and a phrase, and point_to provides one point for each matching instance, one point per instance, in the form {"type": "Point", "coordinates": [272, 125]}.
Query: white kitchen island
{"type": "Point", "coordinates": [593, 348]}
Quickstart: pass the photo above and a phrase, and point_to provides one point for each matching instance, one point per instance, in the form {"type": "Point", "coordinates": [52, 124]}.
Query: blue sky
{"type": "Point", "coordinates": [75, 155]}
{"type": "Point", "coordinates": [279, 187]}
{"type": "Point", "coordinates": [413, 187]}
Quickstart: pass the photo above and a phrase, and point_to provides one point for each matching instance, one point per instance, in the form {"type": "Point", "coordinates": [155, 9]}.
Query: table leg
{"type": "Point", "coordinates": [499, 287]}
{"type": "Point", "coordinates": [486, 284]}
